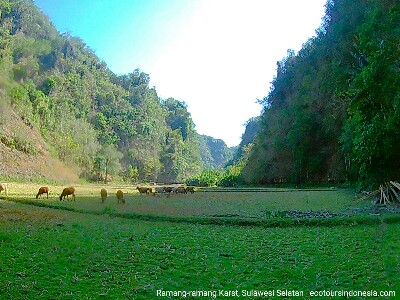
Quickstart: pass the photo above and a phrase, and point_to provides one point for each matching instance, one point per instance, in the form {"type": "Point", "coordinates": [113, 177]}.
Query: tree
{"type": "Point", "coordinates": [108, 161]}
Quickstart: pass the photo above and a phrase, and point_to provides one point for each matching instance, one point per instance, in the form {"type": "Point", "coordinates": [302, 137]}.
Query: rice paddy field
{"type": "Point", "coordinates": [213, 244]}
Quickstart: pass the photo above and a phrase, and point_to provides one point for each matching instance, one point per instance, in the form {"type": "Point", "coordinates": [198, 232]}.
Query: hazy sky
{"type": "Point", "coordinates": [219, 56]}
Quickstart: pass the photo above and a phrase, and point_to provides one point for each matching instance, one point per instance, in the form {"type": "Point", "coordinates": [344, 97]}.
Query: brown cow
{"type": "Point", "coordinates": [120, 196]}
{"type": "Point", "coordinates": [181, 190]}
{"type": "Point", "coordinates": [190, 189]}
{"type": "Point", "coordinates": [3, 187]}
{"type": "Point", "coordinates": [168, 189]}
{"type": "Point", "coordinates": [68, 191]}
{"type": "Point", "coordinates": [103, 194]}
{"type": "Point", "coordinates": [43, 190]}
{"type": "Point", "coordinates": [143, 190]}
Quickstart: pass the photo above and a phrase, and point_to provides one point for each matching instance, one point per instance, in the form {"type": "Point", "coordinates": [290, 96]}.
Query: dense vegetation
{"type": "Point", "coordinates": [248, 137]}
{"type": "Point", "coordinates": [214, 152]}
{"type": "Point", "coordinates": [333, 111]}
{"type": "Point", "coordinates": [103, 124]}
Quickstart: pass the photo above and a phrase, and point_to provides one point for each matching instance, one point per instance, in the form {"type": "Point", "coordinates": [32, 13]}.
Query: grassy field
{"type": "Point", "coordinates": [249, 203]}
{"type": "Point", "coordinates": [49, 253]}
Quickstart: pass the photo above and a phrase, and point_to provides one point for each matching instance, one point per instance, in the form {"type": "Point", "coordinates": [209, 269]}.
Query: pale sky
{"type": "Point", "coordinates": [219, 56]}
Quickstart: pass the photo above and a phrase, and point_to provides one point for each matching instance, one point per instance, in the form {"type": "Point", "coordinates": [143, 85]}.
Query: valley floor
{"type": "Point", "coordinates": [49, 253]}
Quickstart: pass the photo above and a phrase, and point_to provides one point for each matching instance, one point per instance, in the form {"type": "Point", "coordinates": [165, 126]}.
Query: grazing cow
{"type": "Point", "coordinates": [68, 191]}
{"type": "Point", "coordinates": [168, 189]}
{"type": "Point", "coordinates": [180, 190]}
{"type": "Point", "coordinates": [3, 187]}
{"type": "Point", "coordinates": [160, 190]}
{"type": "Point", "coordinates": [103, 194]}
{"type": "Point", "coordinates": [143, 190]}
{"type": "Point", "coordinates": [120, 196]}
{"type": "Point", "coordinates": [190, 189]}
{"type": "Point", "coordinates": [157, 190]}
{"type": "Point", "coordinates": [43, 190]}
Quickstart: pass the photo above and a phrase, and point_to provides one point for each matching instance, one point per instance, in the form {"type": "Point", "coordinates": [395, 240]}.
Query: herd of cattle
{"type": "Point", "coordinates": [70, 191]}
{"type": "Point", "coordinates": [168, 190]}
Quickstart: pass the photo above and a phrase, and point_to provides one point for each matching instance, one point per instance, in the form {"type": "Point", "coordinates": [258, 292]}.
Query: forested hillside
{"type": "Point", "coordinates": [251, 129]}
{"type": "Point", "coordinates": [214, 152]}
{"type": "Point", "coordinates": [99, 124]}
{"type": "Point", "coordinates": [333, 111]}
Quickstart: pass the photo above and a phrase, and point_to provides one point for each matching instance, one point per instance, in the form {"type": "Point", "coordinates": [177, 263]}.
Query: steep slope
{"type": "Point", "coordinates": [94, 121]}
{"type": "Point", "coordinates": [214, 152]}
{"type": "Point", "coordinates": [24, 153]}
{"type": "Point", "coordinates": [333, 110]}
{"type": "Point", "coordinates": [248, 138]}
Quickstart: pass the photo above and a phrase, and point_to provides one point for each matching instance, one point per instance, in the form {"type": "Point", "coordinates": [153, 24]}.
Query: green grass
{"type": "Point", "coordinates": [49, 253]}
{"type": "Point", "coordinates": [63, 255]}
{"type": "Point", "coordinates": [257, 204]}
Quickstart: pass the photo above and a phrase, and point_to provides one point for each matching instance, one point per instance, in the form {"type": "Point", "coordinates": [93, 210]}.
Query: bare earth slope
{"type": "Point", "coordinates": [16, 163]}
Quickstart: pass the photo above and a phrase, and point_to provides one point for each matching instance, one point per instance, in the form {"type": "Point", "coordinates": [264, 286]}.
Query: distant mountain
{"type": "Point", "coordinates": [214, 152]}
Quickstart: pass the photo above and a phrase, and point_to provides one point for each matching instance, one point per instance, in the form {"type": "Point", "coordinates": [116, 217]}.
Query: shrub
{"type": "Point", "coordinates": [205, 178]}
